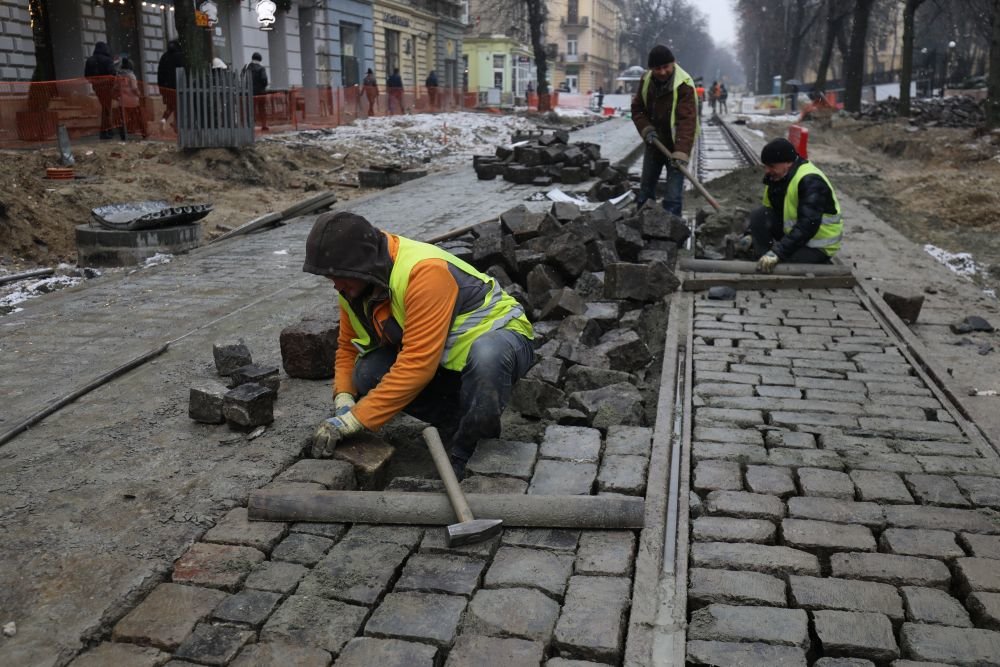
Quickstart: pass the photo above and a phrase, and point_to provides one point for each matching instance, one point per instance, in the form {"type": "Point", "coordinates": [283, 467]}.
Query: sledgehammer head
{"type": "Point", "coordinates": [470, 532]}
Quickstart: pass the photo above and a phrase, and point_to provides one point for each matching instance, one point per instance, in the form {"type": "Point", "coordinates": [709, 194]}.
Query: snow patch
{"type": "Point", "coordinates": [960, 263]}
{"type": "Point", "coordinates": [157, 259]}
{"type": "Point", "coordinates": [23, 290]}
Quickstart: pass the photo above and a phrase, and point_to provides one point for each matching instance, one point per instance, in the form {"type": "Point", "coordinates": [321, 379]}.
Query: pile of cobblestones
{"type": "Point", "coordinates": [957, 111]}
{"type": "Point", "coordinates": [838, 510]}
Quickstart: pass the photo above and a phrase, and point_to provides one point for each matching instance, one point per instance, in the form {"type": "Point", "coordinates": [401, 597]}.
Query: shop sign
{"type": "Point", "coordinates": [396, 20]}
{"type": "Point", "coordinates": [265, 10]}
{"type": "Point", "coordinates": [201, 19]}
{"type": "Point", "coordinates": [524, 60]}
{"type": "Point", "coordinates": [211, 14]}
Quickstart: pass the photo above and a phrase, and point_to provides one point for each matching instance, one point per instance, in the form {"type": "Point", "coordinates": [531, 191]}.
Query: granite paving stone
{"type": "Point", "coordinates": [115, 653]}
{"type": "Point", "coordinates": [729, 452]}
{"type": "Point", "coordinates": [855, 634]}
{"type": "Point", "coordinates": [235, 528]}
{"type": "Point", "coordinates": [744, 505]}
{"type": "Point", "coordinates": [718, 475]}
{"type": "Point", "coordinates": [515, 567]}
{"type": "Point", "coordinates": [331, 473]}
{"type": "Point", "coordinates": [249, 606]}
{"type": "Point", "coordinates": [963, 465]}
{"type": "Point", "coordinates": [479, 651]}
{"type": "Point", "coordinates": [441, 573]}
{"type": "Point", "coordinates": [213, 644]}
{"type": "Point", "coordinates": [331, 531]}
{"type": "Point", "coordinates": [369, 651]}
{"type": "Point", "coordinates": [790, 439]}
{"type": "Point", "coordinates": [628, 440]}
{"type": "Point", "coordinates": [706, 586]}
{"type": "Point", "coordinates": [879, 486]}
{"type": "Point", "coordinates": [967, 647]}
{"type": "Point", "coordinates": [302, 548]}
{"type": "Point", "coordinates": [977, 574]}
{"type": "Point", "coordinates": [483, 484]}
{"type": "Point", "coordinates": [436, 541]}
{"type": "Point", "coordinates": [722, 389]}
{"type": "Point", "coordinates": [844, 662]}
{"type": "Point", "coordinates": [804, 458]}
{"type": "Point", "coordinates": [826, 483]}
{"type": "Point", "coordinates": [839, 511]}
{"type": "Point", "coordinates": [605, 552]}
{"type": "Point", "coordinates": [825, 536]}
{"type": "Point", "coordinates": [523, 613]}
{"type": "Point", "coordinates": [891, 569]}
{"type": "Point", "coordinates": [909, 428]}
{"type": "Point", "coordinates": [736, 436]}
{"type": "Point", "coordinates": [931, 605]}
{"type": "Point", "coordinates": [744, 654]}
{"type": "Point", "coordinates": [868, 460]}
{"type": "Point", "coordinates": [276, 576]}
{"type": "Point", "coordinates": [936, 490]}
{"type": "Point", "coordinates": [980, 490]}
{"type": "Point", "coordinates": [770, 480]}
{"type": "Point", "coordinates": [815, 593]}
{"type": "Point", "coordinates": [982, 546]}
{"type": "Point", "coordinates": [503, 457]}
{"type": "Point", "coordinates": [777, 560]}
{"type": "Point", "coordinates": [308, 620]}
{"type": "Point", "coordinates": [728, 529]}
{"type": "Point", "coordinates": [593, 622]}
{"type": "Point", "coordinates": [985, 609]}
{"type": "Point", "coordinates": [731, 623]}
{"type": "Point", "coordinates": [356, 571]}
{"type": "Point", "coordinates": [927, 543]}
{"type": "Point", "coordinates": [423, 617]}
{"type": "Point", "coordinates": [553, 539]}
{"type": "Point", "coordinates": [624, 474]}
{"type": "Point", "coordinates": [941, 518]}
{"type": "Point", "coordinates": [554, 477]}
{"type": "Point", "coordinates": [571, 443]}
{"type": "Point", "coordinates": [221, 566]}
{"type": "Point", "coordinates": [728, 418]}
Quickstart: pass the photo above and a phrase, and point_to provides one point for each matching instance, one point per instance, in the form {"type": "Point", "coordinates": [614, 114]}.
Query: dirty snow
{"type": "Point", "coordinates": [22, 290]}
{"type": "Point", "coordinates": [960, 263]}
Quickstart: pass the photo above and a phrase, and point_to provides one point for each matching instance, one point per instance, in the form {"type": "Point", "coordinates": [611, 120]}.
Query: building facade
{"type": "Point", "coordinates": [497, 54]}
{"type": "Point", "coordinates": [584, 36]}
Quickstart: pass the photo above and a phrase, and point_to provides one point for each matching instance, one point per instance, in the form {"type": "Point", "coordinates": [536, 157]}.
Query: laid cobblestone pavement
{"type": "Point", "coordinates": [844, 514]}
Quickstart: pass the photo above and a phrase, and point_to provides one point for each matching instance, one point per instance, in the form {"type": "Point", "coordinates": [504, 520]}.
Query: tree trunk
{"type": "Point", "coordinates": [834, 25]}
{"type": "Point", "coordinates": [537, 14]}
{"type": "Point", "coordinates": [993, 83]}
{"type": "Point", "coordinates": [854, 70]}
{"type": "Point", "coordinates": [906, 73]}
{"type": "Point", "coordinates": [196, 42]}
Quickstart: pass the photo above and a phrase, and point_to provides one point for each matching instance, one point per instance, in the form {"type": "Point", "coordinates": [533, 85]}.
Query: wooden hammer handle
{"type": "Point", "coordinates": [443, 465]}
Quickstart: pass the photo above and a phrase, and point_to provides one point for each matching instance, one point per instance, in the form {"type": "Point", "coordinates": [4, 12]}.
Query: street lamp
{"type": "Point", "coordinates": [949, 67]}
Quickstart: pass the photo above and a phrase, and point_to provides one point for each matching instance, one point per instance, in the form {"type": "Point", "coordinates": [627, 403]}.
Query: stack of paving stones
{"type": "Point", "coordinates": [304, 594]}
{"type": "Point", "coordinates": [839, 515]}
{"type": "Point", "coordinates": [550, 158]}
{"type": "Point", "coordinates": [956, 111]}
{"type": "Point", "coordinates": [247, 402]}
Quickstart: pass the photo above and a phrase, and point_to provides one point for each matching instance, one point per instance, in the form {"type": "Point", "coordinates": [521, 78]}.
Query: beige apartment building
{"type": "Point", "coordinates": [583, 35]}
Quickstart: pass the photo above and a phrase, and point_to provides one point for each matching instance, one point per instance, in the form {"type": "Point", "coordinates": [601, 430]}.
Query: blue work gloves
{"type": "Point", "coordinates": [331, 431]}
{"type": "Point", "coordinates": [342, 402]}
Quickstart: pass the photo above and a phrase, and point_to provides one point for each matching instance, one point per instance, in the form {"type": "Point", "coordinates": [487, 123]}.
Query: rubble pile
{"type": "Point", "coordinates": [958, 111]}
{"type": "Point", "coordinates": [593, 285]}
{"type": "Point", "coordinates": [543, 159]}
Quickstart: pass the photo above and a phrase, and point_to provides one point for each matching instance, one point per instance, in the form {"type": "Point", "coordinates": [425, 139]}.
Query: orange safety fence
{"type": "Point", "coordinates": [97, 107]}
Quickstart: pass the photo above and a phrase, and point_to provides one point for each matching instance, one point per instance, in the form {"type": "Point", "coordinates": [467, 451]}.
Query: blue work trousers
{"type": "Point", "coordinates": [465, 405]}
{"type": "Point", "coordinates": [653, 162]}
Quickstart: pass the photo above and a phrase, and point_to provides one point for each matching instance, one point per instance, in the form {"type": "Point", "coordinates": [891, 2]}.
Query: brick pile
{"type": "Point", "coordinates": [840, 516]}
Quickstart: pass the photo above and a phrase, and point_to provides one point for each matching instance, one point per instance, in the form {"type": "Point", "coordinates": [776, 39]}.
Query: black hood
{"type": "Point", "coordinates": [102, 49]}
{"type": "Point", "coordinates": [346, 245]}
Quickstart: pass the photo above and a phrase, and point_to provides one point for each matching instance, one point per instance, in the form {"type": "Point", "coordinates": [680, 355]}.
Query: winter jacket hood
{"type": "Point", "coordinates": [345, 245]}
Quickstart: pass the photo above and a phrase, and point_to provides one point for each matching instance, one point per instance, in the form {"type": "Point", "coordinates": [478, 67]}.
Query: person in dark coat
{"type": "Point", "coordinates": [100, 71]}
{"type": "Point", "coordinates": [166, 80]}
{"type": "Point", "coordinates": [432, 89]}
{"type": "Point", "coordinates": [370, 86]}
{"type": "Point", "coordinates": [394, 84]}
{"type": "Point", "coordinates": [258, 79]}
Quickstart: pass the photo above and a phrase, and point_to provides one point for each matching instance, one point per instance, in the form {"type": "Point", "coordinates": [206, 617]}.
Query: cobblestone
{"type": "Point", "coordinates": [276, 577]}
{"type": "Point", "coordinates": [982, 546]}
{"type": "Point", "coordinates": [980, 490]}
{"type": "Point", "coordinates": [524, 613]}
{"type": "Point", "coordinates": [791, 439]}
{"type": "Point", "coordinates": [877, 486]}
{"type": "Point", "coordinates": [728, 435]}
{"type": "Point", "coordinates": [959, 646]}
{"type": "Point", "coordinates": [744, 654]}
{"type": "Point", "coordinates": [770, 480]}
{"type": "Point", "coordinates": [718, 475]}
{"type": "Point", "coordinates": [422, 617]}
{"type": "Point", "coordinates": [503, 457]}
{"type": "Point", "coordinates": [927, 543]}
{"type": "Point", "coordinates": [236, 529]}
{"type": "Point", "coordinates": [977, 574]}
{"type": "Point", "coordinates": [839, 511]}
{"type": "Point", "coordinates": [109, 654]}
{"type": "Point", "coordinates": [515, 567]}
{"type": "Point", "coordinates": [902, 463]}
{"type": "Point", "coordinates": [331, 473]}
{"type": "Point", "coordinates": [628, 441]}
{"type": "Point", "coordinates": [826, 483]}
{"type": "Point", "coordinates": [728, 623]}
{"type": "Point", "coordinates": [856, 634]}
{"type": "Point", "coordinates": [744, 505]}
{"type": "Point", "coordinates": [592, 623]}
{"type": "Point", "coordinates": [737, 588]}
{"type": "Point", "coordinates": [306, 620]}
{"type": "Point", "coordinates": [477, 651]}
{"type": "Point", "coordinates": [368, 651]}
{"type": "Point", "coordinates": [891, 569]}
{"type": "Point", "coordinates": [571, 443]}
{"type": "Point", "coordinates": [754, 557]}
{"type": "Point", "coordinates": [216, 565]}
{"type": "Point", "coordinates": [845, 595]}
{"type": "Point", "coordinates": [213, 644]}
{"type": "Point", "coordinates": [799, 458]}
{"type": "Point", "coordinates": [985, 609]}
{"type": "Point", "coordinates": [729, 452]}
{"type": "Point", "coordinates": [940, 518]}
{"type": "Point", "coordinates": [727, 529]}
{"type": "Point", "coordinates": [605, 552]}
{"type": "Point", "coordinates": [302, 548]}
{"type": "Point", "coordinates": [562, 478]}
{"type": "Point", "coordinates": [623, 474]}
{"type": "Point", "coordinates": [249, 607]}
{"type": "Point", "coordinates": [554, 539]}
{"type": "Point", "coordinates": [936, 490]}
{"type": "Point", "coordinates": [930, 605]}
{"type": "Point", "coordinates": [356, 571]}
{"type": "Point", "coordinates": [440, 573]}
{"type": "Point", "coordinates": [436, 541]}
{"type": "Point", "coordinates": [821, 535]}
{"type": "Point", "coordinates": [726, 416]}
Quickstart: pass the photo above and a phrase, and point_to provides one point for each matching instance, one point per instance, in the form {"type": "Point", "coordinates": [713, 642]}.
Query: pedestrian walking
{"type": "Point", "coordinates": [800, 221]}
{"type": "Point", "coordinates": [166, 81]}
{"type": "Point", "coordinates": [129, 100]}
{"type": "Point", "coordinates": [258, 82]}
{"type": "Point", "coordinates": [432, 89]}
{"type": "Point", "coordinates": [370, 86]}
{"type": "Point", "coordinates": [421, 332]}
{"type": "Point", "coordinates": [394, 85]}
{"type": "Point", "coordinates": [99, 69]}
{"type": "Point", "coordinates": [665, 108]}
{"type": "Point", "coordinates": [723, 96]}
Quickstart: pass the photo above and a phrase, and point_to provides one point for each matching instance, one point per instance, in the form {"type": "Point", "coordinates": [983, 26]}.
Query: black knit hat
{"type": "Point", "coordinates": [345, 245]}
{"type": "Point", "coordinates": [659, 56]}
{"type": "Point", "coordinates": [778, 151]}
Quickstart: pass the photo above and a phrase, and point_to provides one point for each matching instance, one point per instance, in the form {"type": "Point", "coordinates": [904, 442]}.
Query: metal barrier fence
{"type": "Point", "coordinates": [30, 112]}
{"type": "Point", "coordinates": [215, 109]}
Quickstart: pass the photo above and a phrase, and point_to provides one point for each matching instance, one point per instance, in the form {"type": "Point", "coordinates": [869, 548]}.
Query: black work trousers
{"type": "Point", "coordinates": [766, 227]}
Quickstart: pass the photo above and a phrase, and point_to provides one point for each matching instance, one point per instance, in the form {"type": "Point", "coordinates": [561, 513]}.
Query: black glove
{"type": "Point", "coordinates": [650, 137]}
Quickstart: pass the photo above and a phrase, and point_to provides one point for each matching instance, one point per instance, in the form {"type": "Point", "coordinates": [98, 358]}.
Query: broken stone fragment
{"type": "Point", "coordinates": [970, 324]}
{"type": "Point", "coordinates": [248, 406]}
{"type": "Point", "coordinates": [230, 355]}
{"type": "Point", "coordinates": [266, 376]}
{"type": "Point", "coordinates": [562, 303]}
{"type": "Point", "coordinates": [308, 349]}
{"type": "Point", "coordinates": [616, 404]}
{"type": "Point", "coordinates": [906, 306]}
{"type": "Point", "coordinates": [205, 402]}
{"type": "Point", "coordinates": [533, 397]}
{"type": "Point", "coordinates": [721, 293]}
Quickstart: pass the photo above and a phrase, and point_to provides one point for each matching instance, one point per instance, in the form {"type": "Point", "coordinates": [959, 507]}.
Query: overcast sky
{"type": "Point", "coordinates": [721, 20]}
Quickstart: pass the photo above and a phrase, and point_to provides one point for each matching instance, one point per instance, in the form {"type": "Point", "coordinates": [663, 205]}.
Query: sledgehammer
{"type": "Point", "coordinates": [468, 530]}
{"type": "Point", "coordinates": [694, 181]}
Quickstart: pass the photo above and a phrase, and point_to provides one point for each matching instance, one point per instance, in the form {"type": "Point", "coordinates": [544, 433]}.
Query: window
{"type": "Point", "coordinates": [571, 45]}
{"type": "Point", "coordinates": [498, 62]}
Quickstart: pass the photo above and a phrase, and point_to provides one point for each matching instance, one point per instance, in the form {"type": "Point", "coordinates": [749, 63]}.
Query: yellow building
{"type": "Point", "coordinates": [584, 35]}
{"type": "Point", "coordinates": [497, 52]}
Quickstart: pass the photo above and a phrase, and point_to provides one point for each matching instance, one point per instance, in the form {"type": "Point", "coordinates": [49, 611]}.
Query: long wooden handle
{"type": "Point", "coordinates": [694, 181]}
{"type": "Point", "coordinates": [447, 475]}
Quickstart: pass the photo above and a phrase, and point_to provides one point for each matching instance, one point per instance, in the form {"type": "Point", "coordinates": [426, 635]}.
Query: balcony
{"type": "Point", "coordinates": [571, 58]}
{"type": "Point", "coordinates": [572, 21]}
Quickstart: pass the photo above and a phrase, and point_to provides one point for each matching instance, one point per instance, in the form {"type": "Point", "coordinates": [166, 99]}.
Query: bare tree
{"type": "Point", "coordinates": [906, 73]}
{"type": "Point", "coordinates": [800, 17]}
{"type": "Point", "coordinates": [854, 70]}
{"type": "Point", "coordinates": [196, 42]}
{"type": "Point", "coordinates": [836, 18]}
{"type": "Point", "coordinates": [993, 82]}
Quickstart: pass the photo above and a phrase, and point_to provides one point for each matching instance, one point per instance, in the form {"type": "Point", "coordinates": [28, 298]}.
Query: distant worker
{"type": "Point", "coordinates": [370, 86]}
{"type": "Point", "coordinates": [723, 96]}
{"type": "Point", "coordinates": [800, 221]}
{"type": "Point", "coordinates": [100, 71]}
{"type": "Point", "coordinates": [665, 108]}
{"type": "Point", "coordinates": [166, 81]}
{"type": "Point", "coordinates": [432, 89]}
{"type": "Point", "coordinates": [700, 90]}
{"type": "Point", "coordinates": [258, 82]}
{"type": "Point", "coordinates": [421, 332]}
{"type": "Point", "coordinates": [713, 96]}
{"type": "Point", "coordinates": [394, 86]}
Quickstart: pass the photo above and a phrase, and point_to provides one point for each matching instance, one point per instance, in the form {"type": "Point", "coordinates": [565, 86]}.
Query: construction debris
{"type": "Point", "coordinates": [957, 111]}
{"type": "Point", "coordinates": [230, 356]}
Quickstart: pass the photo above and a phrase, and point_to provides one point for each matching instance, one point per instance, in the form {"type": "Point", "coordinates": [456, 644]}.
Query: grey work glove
{"type": "Point", "coordinates": [342, 402]}
{"type": "Point", "coordinates": [680, 158]}
{"type": "Point", "coordinates": [331, 431]}
{"type": "Point", "coordinates": [767, 263]}
{"type": "Point", "coordinates": [649, 136]}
